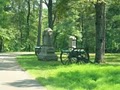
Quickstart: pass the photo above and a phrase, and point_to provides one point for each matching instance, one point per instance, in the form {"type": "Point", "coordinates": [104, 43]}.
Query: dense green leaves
{"type": "Point", "coordinates": [113, 27]}
{"type": "Point", "coordinates": [71, 17]}
{"type": "Point", "coordinates": [14, 25]}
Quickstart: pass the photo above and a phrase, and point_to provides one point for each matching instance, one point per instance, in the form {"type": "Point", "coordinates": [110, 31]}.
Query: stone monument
{"type": "Point", "coordinates": [72, 42]}
{"type": "Point", "coordinates": [47, 50]}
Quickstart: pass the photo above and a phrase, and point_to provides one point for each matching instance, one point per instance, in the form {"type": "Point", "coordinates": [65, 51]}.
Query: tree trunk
{"type": "Point", "coordinates": [100, 31]}
{"type": "Point", "coordinates": [28, 24]}
{"type": "Point", "coordinates": [28, 17]}
{"type": "Point", "coordinates": [50, 19]}
{"type": "Point", "coordinates": [1, 43]}
{"type": "Point", "coordinates": [39, 24]}
{"type": "Point", "coordinates": [20, 26]}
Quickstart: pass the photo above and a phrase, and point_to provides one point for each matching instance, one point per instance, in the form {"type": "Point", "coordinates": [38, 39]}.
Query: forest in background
{"type": "Point", "coordinates": [19, 24]}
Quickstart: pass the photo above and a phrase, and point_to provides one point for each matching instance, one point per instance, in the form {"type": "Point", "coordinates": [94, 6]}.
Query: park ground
{"type": "Point", "coordinates": [55, 76]}
{"type": "Point", "coordinates": [12, 77]}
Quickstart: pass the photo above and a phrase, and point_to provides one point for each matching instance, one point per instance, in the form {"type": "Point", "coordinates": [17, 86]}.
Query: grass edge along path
{"type": "Point", "coordinates": [55, 76]}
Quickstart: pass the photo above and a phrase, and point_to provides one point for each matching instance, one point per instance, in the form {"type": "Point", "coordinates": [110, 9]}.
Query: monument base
{"type": "Point", "coordinates": [47, 53]}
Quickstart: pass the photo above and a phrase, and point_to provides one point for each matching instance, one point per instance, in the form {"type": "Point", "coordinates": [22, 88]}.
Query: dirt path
{"type": "Point", "coordinates": [12, 77]}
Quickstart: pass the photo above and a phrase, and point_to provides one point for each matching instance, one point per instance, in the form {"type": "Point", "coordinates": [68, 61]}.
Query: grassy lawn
{"type": "Point", "coordinates": [55, 76]}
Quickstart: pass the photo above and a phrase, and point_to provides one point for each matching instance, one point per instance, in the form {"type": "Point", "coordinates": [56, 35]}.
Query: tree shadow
{"type": "Point", "coordinates": [10, 67]}
{"type": "Point", "coordinates": [24, 83]}
{"type": "Point", "coordinates": [31, 62]}
{"type": "Point", "coordinates": [80, 80]}
{"type": "Point", "coordinates": [8, 63]}
{"type": "Point", "coordinates": [70, 81]}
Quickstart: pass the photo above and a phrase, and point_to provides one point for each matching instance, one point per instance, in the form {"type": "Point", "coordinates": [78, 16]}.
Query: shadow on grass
{"type": "Point", "coordinates": [24, 83]}
{"type": "Point", "coordinates": [9, 66]}
{"type": "Point", "coordinates": [26, 56]}
{"type": "Point", "coordinates": [79, 80]}
{"type": "Point", "coordinates": [31, 62]}
{"type": "Point", "coordinates": [69, 80]}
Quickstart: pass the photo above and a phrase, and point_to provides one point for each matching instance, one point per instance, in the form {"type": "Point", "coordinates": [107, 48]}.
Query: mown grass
{"type": "Point", "coordinates": [55, 76]}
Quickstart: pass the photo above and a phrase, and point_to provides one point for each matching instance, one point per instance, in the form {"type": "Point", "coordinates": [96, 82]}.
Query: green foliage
{"type": "Point", "coordinates": [56, 76]}
{"type": "Point", "coordinates": [113, 27]}
{"type": "Point", "coordinates": [13, 25]}
{"type": "Point", "coordinates": [84, 10]}
{"type": "Point", "coordinates": [65, 28]}
{"type": "Point", "coordinates": [72, 17]}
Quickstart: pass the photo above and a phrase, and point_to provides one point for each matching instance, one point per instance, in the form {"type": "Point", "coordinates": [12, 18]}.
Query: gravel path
{"type": "Point", "coordinates": [12, 77]}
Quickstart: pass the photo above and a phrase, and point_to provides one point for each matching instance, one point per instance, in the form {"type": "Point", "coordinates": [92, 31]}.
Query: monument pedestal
{"type": "Point", "coordinates": [47, 53]}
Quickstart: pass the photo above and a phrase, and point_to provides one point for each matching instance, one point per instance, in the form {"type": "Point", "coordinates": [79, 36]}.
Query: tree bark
{"type": "Point", "coordinates": [100, 31]}
{"type": "Point", "coordinates": [28, 25]}
{"type": "Point", "coordinates": [39, 24]}
{"type": "Point", "coordinates": [1, 43]}
{"type": "Point", "coordinates": [28, 18]}
{"type": "Point", "coordinates": [20, 25]}
{"type": "Point", "coordinates": [50, 19]}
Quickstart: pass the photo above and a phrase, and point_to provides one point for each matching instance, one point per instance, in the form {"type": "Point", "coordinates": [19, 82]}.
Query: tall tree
{"type": "Point", "coordinates": [39, 24]}
{"type": "Point", "coordinates": [49, 5]}
{"type": "Point", "coordinates": [50, 23]}
{"type": "Point", "coordinates": [28, 25]}
{"type": "Point", "coordinates": [28, 18]}
{"type": "Point", "coordinates": [100, 31]}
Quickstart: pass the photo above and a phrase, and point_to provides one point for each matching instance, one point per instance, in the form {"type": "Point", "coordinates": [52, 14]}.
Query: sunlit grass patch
{"type": "Point", "coordinates": [109, 57]}
{"type": "Point", "coordinates": [114, 57]}
{"type": "Point", "coordinates": [55, 76]}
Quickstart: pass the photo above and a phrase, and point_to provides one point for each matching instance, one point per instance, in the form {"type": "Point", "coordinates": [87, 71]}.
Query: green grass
{"type": "Point", "coordinates": [55, 76]}
{"type": "Point", "coordinates": [109, 57]}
